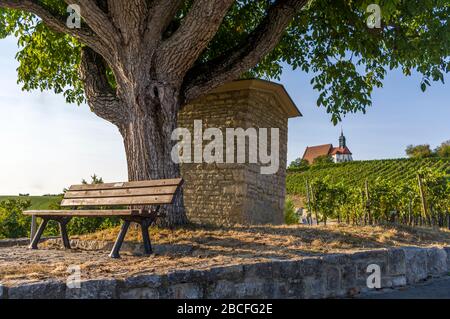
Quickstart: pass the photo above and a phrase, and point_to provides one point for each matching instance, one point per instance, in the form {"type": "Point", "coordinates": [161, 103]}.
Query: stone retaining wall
{"type": "Point", "coordinates": [14, 242]}
{"type": "Point", "coordinates": [337, 275]}
{"type": "Point", "coordinates": [4, 243]}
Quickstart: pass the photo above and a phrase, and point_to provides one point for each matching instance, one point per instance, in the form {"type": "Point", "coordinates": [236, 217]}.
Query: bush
{"type": "Point", "coordinates": [13, 224]}
{"type": "Point", "coordinates": [299, 164]}
{"type": "Point", "coordinates": [419, 151]}
{"type": "Point", "coordinates": [444, 150]}
{"type": "Point", "coordinates": [323, 160]}
{"type": "Point", "coordinates": [290, 217]}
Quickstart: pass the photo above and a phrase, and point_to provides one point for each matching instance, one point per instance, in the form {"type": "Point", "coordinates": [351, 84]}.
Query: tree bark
{"type": "Point", "coordinates": [148, 145]}
{"type": "Point", "coordinates": [145, 113]}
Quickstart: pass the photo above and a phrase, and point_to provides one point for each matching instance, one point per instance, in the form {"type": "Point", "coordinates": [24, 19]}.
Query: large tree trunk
{"type": "Point", "coordinates": [148, 144]}
{"type": "Point", "coordinates": [145, 111]}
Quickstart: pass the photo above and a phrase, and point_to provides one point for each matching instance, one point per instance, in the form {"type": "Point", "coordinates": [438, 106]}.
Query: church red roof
{"type": "Point", "coordinates": [340, 150]}
{"type": "Point", "coordinates": [313, 152]}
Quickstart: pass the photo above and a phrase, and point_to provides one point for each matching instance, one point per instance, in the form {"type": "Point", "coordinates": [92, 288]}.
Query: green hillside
{"type": "Point", "coordinates": [37, 202]}
{"type": "Point", "coordinates": [355, 173]}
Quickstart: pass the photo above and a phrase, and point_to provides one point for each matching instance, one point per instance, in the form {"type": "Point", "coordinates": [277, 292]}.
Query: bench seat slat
{"type": "Point", "coordinates": [127, 192]}
{"type": "Point", "coordinates": [86, 213]}
{"type": "Point", "coordinates": [125, 185]}
{"type": "Point", "coordinates": [112, 201]}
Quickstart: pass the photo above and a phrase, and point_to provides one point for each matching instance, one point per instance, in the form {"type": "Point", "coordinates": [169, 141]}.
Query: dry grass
{"type": "Point", "coordinates": [212, 246]}
{"type": "Point", "coordinates": [282, 239]}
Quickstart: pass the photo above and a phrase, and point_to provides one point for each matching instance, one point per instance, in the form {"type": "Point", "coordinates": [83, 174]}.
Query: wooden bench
{"type": "Point", "coordinates": [129, 194]}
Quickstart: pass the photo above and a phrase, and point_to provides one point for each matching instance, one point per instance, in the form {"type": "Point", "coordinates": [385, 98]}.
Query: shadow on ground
{"type": "Point", "coordinates": [200, 247]}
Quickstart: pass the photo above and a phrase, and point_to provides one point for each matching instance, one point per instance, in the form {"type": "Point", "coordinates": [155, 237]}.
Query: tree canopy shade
{"type": "Point", "coordinates": [326, 37]}
{"type": "Point", "coordinates": [138, 62]}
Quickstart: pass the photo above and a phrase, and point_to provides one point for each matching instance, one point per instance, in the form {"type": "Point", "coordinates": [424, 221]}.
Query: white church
{"type": "Point", "coordinates": [339, 154]}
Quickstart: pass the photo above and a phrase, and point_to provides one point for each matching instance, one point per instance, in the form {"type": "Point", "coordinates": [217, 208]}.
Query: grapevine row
{"type": "Point", "coordinates": [409, 191]}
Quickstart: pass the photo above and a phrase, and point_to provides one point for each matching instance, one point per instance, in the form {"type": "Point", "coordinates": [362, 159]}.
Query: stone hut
{"type": "Point", "coordinates": [238, 193]}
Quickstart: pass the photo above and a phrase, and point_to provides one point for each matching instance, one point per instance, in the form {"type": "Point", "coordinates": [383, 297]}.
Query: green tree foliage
{"type": "Point", "coordinates": [13, 224]}
{"type": "Point", "coordinates": [419, 151]}
{"type": "Point", "coordinates": [323, 160]}
{"type": "Point", "coordinates": [299, 164]}
{"type": "Point", "coordinates": [424, 151]}
{"type": "Point", "coordinates": [444, 150]}
{"type": "Point", "coordinates": [328, 39]}
{"type": "Point", "coordinates": [94, 180]}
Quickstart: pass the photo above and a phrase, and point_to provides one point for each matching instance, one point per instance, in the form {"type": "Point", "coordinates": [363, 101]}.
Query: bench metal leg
{"type": "Point", "coordinates": [37, 237]}
{"type": "Point", "coordinates": [33, 227]}
{"type": "Point", "coordinates": [63, 229]}
{"type": "Point", "coordinates": [118, 244]}
{"type": "Point", "coordinates": [145, 224]}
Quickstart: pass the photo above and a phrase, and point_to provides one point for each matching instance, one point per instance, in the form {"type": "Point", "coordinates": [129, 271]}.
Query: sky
{"type": "Point", "coordinates": [47, 144]}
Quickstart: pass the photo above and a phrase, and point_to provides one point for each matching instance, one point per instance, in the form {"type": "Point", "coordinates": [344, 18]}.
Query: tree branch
{"type": "Point", "coordinates": [129, 17]}
{"type": "Point", "coordinates": [53, 21]}
{"type": "Point", "coordinates": [101, 97]}
{"type": "Point", "coordinates": [178, 53]}
{"type": "Point", "coordinates": [161, 14]}
{"type": "Point", "coordinates": [236, 61]}
{"type": "Point", "coordinates": [98, 21]}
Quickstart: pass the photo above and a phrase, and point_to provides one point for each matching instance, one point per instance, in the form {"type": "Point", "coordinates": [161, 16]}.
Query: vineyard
{"type": "Point", "coordinates": [408, 191]}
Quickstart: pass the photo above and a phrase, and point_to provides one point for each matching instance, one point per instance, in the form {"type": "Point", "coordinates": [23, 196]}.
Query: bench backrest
{"type": "Point", "coordinates": [155, 192]}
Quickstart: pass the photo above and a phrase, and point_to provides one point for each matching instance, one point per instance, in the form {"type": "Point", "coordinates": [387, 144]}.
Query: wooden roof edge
{"type": "Point", "coordinates": [283, 97]}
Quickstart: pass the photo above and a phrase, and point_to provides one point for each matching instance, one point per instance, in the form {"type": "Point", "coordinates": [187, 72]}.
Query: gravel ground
{"type": "Point", "coordinates": [20, 264]}
{"type": "Point", "coordinates": [201, 248]}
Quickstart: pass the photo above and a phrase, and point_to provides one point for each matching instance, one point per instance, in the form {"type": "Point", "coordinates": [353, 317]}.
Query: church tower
{"type": "Point", "coordinates": [342, 140]}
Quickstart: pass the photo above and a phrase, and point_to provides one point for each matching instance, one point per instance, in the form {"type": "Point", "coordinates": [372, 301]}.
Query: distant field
{"type": "Point", "coordinates": [37, 202]}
